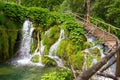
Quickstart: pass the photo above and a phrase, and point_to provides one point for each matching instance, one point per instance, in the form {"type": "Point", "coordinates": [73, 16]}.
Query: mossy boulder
{"type": "Point", "coordinates": [50, 38]}
{"type": "Point", "coordinates": [35, 59]}
{"type": "Point", "coordinates": [48, 61]}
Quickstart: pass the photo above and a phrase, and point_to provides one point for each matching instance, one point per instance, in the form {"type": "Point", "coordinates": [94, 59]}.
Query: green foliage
{"type": "Point", "coordinates": [4, 52]}
{"type": "Point", "coordinates": [48, 61]}
{"type": "Point", "coordinates": [87, 45]}
{"type": "Point", "coordinates": [77, 60]}
{"type": "Point", "coordinates": [35, 59]}
{"type": "Point", "coordinates": [89, 59]}
{"type": "Point", "coordinates": [33, 46]}
{"type": "Point", "coordinates": [77, 36]}
{"type": "Point", "coordinates": [46, 50]}
{"type": "Point", "coordinates": [95, 51]}
{"type": "Point", "coordinates": [73, 6]}
{"type": "Point", "coordinates": [76, 32]}
{"type": "Point", "coordinates": [109, 11]}
{"type": "Point", "coordinates": [58, 75]}
{"type": "Point", "coordinates": [50, 4]}
{"type": "Point", "coordinates": [9, 33]}
{"type": "Point", "coordinates": [70, 54]}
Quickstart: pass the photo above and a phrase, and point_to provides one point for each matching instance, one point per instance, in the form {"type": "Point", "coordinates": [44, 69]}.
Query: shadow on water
{"type": "Point", "coordinates": [9, 72]}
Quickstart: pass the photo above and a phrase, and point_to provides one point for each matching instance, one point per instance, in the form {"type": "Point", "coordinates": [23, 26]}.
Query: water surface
{"type": "Point", "coordinates": [10, 72]}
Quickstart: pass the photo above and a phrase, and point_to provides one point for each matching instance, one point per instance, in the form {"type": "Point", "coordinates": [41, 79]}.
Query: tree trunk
{"type": "Point", "coordinates": [107, 75]}
{"type": "Point", "coordinates": [88, 73]}
{"type": "Point", "coordinates": [38, 37]}
{"type": "Point", "coordinates": [107, 66]}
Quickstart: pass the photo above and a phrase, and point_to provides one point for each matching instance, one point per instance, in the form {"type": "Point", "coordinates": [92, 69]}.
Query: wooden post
{"type": "Point", "coordinates": [118, 64]}
{"type": "Point", "coordinates": [88, 11]}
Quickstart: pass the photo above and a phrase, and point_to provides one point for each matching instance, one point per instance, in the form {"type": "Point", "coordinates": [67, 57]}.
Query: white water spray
{"type": "Point", "coordinates": [53, 49]}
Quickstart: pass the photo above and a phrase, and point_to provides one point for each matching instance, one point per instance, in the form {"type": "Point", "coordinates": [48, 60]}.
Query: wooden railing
{"type": "Point", "coordinates": [98, 23]}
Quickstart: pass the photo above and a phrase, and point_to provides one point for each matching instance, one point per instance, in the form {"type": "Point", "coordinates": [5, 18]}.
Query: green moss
{"type": "Point", "coordinates": [77, 60]}
{"type": "Point", "coordinates": [4, 52]}
{"type": "Point", "coordinates": [48, 61]}
{"type": "Point", "coordinates": [88, 61]}
{"type": "Point", "coordinates": [50, 38]}
{"type": "Point", "coordinates": [46, 50]}
{"type": "Point", "coordinates": [70, 48]}
{"type": "Point", "coordinates": [98, 58]}
{"type": "Point", "coordinates": [61, 51]}
{"type": "Point", "coordinates": [87, 45]}
{"type": "Point", "coordinates": [35, 59]}
{"type": "Point", "coordinates": [33, 46]}
{"type": "Point", "coordinates": [95, 51]}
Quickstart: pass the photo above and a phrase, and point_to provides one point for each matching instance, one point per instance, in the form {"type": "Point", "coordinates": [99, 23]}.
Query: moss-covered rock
{"type": "Point", "coordinates": [48, 61]}
{"type": "Point", "coordinates": [35, 59]}
{"type": "Point", "coordinates": [77, 60]}
{"type": "Point", "coordinates": [9, 34]}
{"type": "Point", "coordinates": [61, 51]}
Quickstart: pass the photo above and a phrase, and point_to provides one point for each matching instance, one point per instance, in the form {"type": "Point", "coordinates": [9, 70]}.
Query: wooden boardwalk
{"type": "Point", "coordinates": [108, 39]}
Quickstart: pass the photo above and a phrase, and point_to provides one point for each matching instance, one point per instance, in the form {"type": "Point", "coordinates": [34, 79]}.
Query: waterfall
{"type": "Point", "coordinates": [25, 56]}
{"type": "Point", "coordinates": [53, 49]}
{"type": "Point", "coordinates": [26, 39]}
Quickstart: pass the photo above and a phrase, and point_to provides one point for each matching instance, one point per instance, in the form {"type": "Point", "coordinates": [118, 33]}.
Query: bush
{"type": "Point", "coordinates": [58, 75]}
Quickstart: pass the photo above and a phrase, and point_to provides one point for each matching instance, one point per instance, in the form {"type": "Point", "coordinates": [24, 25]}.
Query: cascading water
{"type": "Point", "coordinates": [25, 56]}
{"type": "Point", "coordinates": [26, 39]}
{"type": "Point", "coordinates": [53, 49]}
{"type": "Point", "coordinates": [110, 70]}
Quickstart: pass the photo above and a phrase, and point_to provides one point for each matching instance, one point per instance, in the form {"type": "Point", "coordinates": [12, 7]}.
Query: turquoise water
{"type": "Point", "coordinates": [10, 72]}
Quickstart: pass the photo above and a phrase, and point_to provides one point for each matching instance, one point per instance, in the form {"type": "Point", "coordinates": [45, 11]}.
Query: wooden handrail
{"type": "Point", "coordinates": [105, 23]}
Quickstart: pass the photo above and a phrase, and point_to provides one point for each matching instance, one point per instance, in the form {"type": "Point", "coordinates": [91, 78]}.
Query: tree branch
{"type": "Point", "coordinates": [107, 66]}
{"type": "Point", "coordinates": [107, 75]}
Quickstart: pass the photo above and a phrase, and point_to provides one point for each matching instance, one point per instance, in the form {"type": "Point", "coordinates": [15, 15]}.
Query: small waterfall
{"type": "Point", "coordinates": [25, 56]}
{"type": "Point", "coordinates": [53, 49]}
{"type": "Point", "coordinates": [26, 39]}
{"type": "Point", "coordinates": [100, 47]}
